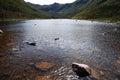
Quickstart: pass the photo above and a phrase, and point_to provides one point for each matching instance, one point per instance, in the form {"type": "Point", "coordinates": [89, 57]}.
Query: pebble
{"type": "Point", "coordinates": [30, 43]}
{"type": "Point", "coordinates": [56, 39]}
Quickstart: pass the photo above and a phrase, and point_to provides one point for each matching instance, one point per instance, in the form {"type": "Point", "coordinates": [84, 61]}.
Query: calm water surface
{"type": "Point", "coordinates": [96, 44]}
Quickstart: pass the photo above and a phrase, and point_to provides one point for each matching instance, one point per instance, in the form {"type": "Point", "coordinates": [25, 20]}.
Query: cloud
{"type": "Point", "coordinates": [42, 2]}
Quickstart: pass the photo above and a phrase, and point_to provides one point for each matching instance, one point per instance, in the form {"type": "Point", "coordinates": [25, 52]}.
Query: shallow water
{"type": "Point", "coordinates": [96, 44]}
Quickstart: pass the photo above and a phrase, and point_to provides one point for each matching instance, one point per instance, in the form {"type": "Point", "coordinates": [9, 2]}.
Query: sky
{"type": "Point", "coordinates": [45, 2]}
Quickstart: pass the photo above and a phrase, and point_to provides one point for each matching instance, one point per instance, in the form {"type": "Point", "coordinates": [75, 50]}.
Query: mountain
{"type": "Point", "coordinates": [62, 10]}
{"type": "Point", "coordinates": [18, 9]}
{"type": "Point", "coordinates": [107, 10]}
{"type": "Point", "coordinates": [84, 9]}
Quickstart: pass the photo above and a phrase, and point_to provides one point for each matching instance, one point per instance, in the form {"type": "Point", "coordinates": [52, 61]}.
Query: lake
{"type": "Point", "coordinates": [96, 44]}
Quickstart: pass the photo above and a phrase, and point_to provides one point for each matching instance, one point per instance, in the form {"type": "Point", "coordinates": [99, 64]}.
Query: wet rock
{"type": "Point", "coordinates": [56, 39]}
{"type": "Point", "coordinates": [82, 70]}
{"type": "Point", "coordinates": [1, 31]}
{"type": "Point", "coordinates": [44, 65]}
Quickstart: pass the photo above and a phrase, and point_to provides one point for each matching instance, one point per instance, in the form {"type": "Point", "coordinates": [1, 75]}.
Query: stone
{"type": "Point", "coordinates": [1, 31]}
{"type": "Point", "coordinates": [82, 70]}
{"type": "Point", "coordinates": [30, 43]}
{"type": "Point", "coordinates": [56, 39]}
{"type": "Point", "coordinates": [44, 65]}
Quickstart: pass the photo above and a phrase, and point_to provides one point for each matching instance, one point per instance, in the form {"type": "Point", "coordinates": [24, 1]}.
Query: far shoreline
{"type": "Point", "coordinates": [98, 20]}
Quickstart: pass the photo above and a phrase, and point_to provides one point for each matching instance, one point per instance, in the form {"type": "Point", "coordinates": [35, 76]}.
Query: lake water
{"type": "Point", "coordinates": [96, 44]}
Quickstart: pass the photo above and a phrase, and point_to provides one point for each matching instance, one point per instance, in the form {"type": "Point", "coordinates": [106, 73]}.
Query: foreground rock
{"type": "Point", "coordinates": [44, 66]}
{"type": "Point", "coordinates": [82, 70]}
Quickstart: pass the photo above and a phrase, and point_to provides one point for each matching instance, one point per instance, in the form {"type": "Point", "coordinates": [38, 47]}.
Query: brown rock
{"type": "Point", "coordinates": [85, 72]}
{"type": "Point", "coordinates": [44, 65]}
{"type": "Point", "coordinates": [82, 70]}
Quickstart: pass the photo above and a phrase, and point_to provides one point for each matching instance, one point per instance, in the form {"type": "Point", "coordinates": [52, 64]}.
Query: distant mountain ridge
{"type": "Point", "coordinates": [15, 9]}
{"type": "Point", "coordinates": [61, 10]}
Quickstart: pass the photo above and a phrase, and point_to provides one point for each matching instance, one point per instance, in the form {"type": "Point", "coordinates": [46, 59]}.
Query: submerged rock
{"type": "Point", "coordinates": [44, 65]}
{"type": "Point", "coordinates": [82, 70]}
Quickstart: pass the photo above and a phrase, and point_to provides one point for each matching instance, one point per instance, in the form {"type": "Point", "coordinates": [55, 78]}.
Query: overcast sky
{"type": "Point", "coordinates": [43, 2]}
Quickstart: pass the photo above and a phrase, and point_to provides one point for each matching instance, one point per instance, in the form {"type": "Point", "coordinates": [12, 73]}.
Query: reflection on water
{"type": "Point", "coordinates": [92, 43]}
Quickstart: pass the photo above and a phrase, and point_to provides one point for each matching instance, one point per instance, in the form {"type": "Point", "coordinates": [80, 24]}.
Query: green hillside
{"type": "Point", "coordinates": [80, 9]}
{"type": "Point", "coordinates": [109, 10]}
{"type": "Point", "coordinates": [18, 9]}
